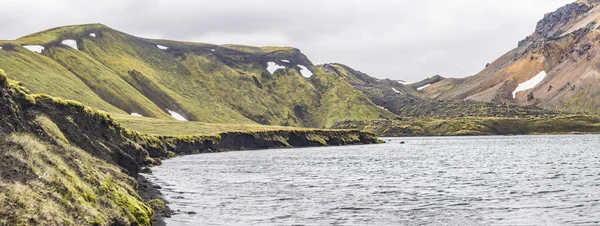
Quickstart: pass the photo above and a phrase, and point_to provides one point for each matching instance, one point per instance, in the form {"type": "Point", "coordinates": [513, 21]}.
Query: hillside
{"type": "Point", "coordinates": [556, 67]}
{"type": "Point", "coordinates": [408, 100]}
{"type": "Point", "coordinates": [119, 73]}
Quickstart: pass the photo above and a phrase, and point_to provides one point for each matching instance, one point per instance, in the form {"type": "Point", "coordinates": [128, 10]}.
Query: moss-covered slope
{"type": "Point", "coordinates": [120, 73]}
{"type": "Point", "coordinates": [63, 164]}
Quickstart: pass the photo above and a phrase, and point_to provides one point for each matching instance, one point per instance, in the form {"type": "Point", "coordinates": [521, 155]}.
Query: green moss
{"type": "Point", "coordinates": [3, 78]}
{"type": "Point", "coordinates": [50, 128]}
{"type": "Point", "coordinates": [157, 205]}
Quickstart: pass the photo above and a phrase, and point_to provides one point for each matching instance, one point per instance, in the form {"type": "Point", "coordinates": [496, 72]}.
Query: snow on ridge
{"type": "Point", "coordinates": [423, 87]}
{"type": "Point", "coordinates": [177, 115]}
{"type": "Point", "coordinates": [162, 47]}
{"type": "Point", "coordinates": [34, 48]}
{"type": "Point", "coordinates": [272, 67]}
{"type": "Point", "coordinates": [383, 108]}
{"type": "Point", "coordinates": [305, 72]}
{"type": "Point", "coordinates": [287, 61]}
{"type": "Point", "coordinates": [93, 34]}
{"type": "Point", "coordinates": [71, 43]}
{"type": "Point", "coordinates": [397, 91]}
{"type": "Point", "coordinates": [529, 84]}
{"type": "Point", "coordinates": [212, 50]}
{"type": "Point", "coordinates": [136, 114]}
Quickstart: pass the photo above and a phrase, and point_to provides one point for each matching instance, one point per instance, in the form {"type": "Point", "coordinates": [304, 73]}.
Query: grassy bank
{"type": "Point", "coordinates": [554, 124]}
{"type": "Point", "coordinates": [161, 127]}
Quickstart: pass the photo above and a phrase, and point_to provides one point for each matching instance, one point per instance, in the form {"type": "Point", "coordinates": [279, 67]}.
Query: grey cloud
{"type": "Point", "coordinates": [397, 39]}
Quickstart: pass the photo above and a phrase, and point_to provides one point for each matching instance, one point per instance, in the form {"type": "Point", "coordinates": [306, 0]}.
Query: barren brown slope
{"type": "Point", "coordinates": [564, 45]}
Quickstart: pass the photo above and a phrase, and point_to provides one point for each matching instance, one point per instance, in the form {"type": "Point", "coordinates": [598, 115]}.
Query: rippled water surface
{"type": "Point", "coordinates": [523, 180]}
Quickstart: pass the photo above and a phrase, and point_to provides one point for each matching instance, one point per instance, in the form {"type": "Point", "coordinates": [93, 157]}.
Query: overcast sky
{"type": "Point", "coordinates": [398, 39]}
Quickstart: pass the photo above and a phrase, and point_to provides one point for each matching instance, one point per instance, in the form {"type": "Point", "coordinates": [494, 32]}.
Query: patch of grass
{"type": "Point", "coordinates": [182, 128]}
{"type": "Point", "coordinates": [50, 128]}
{"type": "Point", "coordinates": [157, 205]}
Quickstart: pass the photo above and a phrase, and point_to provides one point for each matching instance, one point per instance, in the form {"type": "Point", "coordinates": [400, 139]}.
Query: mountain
{"type": "Point", "coordinates": [408, 100]}
{"type": "Point", "coordinates": [557, 67]}
{"type": "Point", "coordinates": [123, 74]}
{"type": "Point", "coordinates": [128, 76]}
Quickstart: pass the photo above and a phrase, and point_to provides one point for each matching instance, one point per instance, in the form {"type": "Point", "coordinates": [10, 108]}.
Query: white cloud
{"type": "Point", "coordinates": [408, 40]}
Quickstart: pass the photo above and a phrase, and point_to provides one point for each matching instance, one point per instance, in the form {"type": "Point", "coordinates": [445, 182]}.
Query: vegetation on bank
{"type": "Point", "coordinates": [550, 124]}
{"type": "Point", "coordinates": [68, 164]}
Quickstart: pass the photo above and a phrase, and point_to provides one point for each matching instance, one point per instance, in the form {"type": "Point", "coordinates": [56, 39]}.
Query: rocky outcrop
{"type": "Point", "coordinates": [564, 45]}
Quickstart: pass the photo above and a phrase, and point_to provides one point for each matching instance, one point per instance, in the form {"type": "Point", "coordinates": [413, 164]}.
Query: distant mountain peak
{"type": "Point", "coordinates": [564, 46]}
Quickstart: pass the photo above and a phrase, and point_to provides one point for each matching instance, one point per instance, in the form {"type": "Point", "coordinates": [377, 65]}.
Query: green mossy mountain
{"type": "Point", "coordinates": [119, 73]}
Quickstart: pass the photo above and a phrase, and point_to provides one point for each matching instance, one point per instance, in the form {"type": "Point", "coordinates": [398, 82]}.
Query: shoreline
{"type": "Point", "coordinates": [149, 191]}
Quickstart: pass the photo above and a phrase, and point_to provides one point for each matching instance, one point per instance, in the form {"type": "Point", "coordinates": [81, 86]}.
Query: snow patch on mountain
{"type": "Point", "coordinates": [423, 87]}
{"type": "Point", "coordinates": [162, 47]}
{"type": "Point", "coordinates": [93, 35]}
{"type": "Point", "coordinates": [136, 114]}
{"type": "Point", "coordinates": [272, 67]}
{"type": "Point", "coordinates": [529, 84]}
{"type": "Point", "coordinates": [383, 108]}
{"type": "Point", "coordinates": [176, 115]}
{"type": "Point", "coordinates": [34, 48]}
{"type": "Point", "coordinates": [71, 43]}
{"type": "Point", "coordinates": [305, 72]}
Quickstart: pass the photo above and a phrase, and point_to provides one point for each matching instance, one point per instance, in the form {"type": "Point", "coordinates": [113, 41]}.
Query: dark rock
{"type": "Point", "coordinates": [191, 212]}
{"type": "Point", "coordinates": [146, 170]}
{"type": "Point", "coordinates": [530, 96]}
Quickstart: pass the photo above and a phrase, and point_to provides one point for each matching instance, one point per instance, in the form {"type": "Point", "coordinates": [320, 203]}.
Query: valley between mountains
{"type": "Point", "coordinates": [86, 108]}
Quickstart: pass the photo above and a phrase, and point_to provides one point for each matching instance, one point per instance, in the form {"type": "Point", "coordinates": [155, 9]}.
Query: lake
{"type": "Point", "coordinates": [496, 180]}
